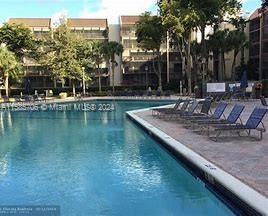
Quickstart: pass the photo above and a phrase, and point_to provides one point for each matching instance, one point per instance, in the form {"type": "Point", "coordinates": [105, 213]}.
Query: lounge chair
{"type": "Point", "coordinates": [156, 111]}
{"type": "Point", "coordinates": [263, 101]}
{"type": "Point", "coordinates": [253, 122]}
{"type": "Point", "coordinates": [219, 111]}
{"type": "Point", "coordinates": [184, 112]}
{"type": "Point", "coordinates": [205, 109]}
{"type": "Point", "coordinates": [232, 118]}
{"type": "Point", "coordinates": [206, 104]}
{"type": "Point", "coordinates": [168, 113]}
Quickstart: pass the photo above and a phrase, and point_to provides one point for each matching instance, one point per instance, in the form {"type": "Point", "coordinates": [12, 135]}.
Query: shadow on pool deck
{"type": "Point", "coordinates": [242, 157]}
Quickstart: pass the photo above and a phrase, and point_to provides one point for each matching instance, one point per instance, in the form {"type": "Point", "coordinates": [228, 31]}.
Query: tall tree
{"type": "Point", "coordinates": [19, 40]}
{"type": "Point", "coordinates": [240, 24]}
{"type": "Point", "coordinates": [111, 49]}
{"type": "Point", "coordinates": [9, 67]}
{"type": "Point", "coordinates": [150, 34]}
{"type": "Point", "coordinates": [238, 41]}
{"type": "Point", "coordinates": [212, 12]}
{"type": "Point", "coordinates": [221, 41]}
{"type": "Point", "coordinates": [61, 56]}
{"type": "Point", "coordinates": [201, 14]}
{"type": "Point", "coordinates": [180, 22]}
{"type": "Point", "coordinates": [97, 57]}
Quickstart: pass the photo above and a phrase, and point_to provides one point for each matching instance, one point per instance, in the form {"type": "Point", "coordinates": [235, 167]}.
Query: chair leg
{"type": "Point", "coordinates": [261, 135]}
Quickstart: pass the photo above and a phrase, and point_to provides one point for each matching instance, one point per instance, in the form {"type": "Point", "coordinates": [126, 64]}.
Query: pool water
{"type": "Point", "coordinates": [95, 163]}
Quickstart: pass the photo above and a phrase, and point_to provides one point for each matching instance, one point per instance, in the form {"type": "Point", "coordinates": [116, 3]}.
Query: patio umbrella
{"type": "Point", "coordinates": [244, 80]}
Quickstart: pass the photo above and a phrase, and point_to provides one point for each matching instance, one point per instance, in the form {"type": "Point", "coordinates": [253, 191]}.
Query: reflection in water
{"type": "Point", "coordinates": [95, 163]}
{"type": "Point", "coordinates": [3, 166]}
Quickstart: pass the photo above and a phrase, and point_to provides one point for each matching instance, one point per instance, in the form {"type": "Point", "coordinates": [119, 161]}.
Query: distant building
{"type": "Point", "coordinates": [258, 36]}
{"type": "Point", "coordinates": [91, 29]}
{"type": "Point", "coordinates": [137, 64]}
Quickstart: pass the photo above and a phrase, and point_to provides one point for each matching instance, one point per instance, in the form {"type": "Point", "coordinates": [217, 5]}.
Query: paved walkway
{"type": "Point", "coordinates": [242, 157]}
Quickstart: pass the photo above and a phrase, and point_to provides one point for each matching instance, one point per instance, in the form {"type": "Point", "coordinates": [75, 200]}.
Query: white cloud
{"type": "Point", "coordinates": [112, 9]}
{"type": "Point", "coordinates": [59, 18]}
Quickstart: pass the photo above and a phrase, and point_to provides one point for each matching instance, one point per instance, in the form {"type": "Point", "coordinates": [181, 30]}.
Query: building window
{"type": "Point", "coordinates": [265, 47]}
{"type": "Point", "coordinates": [254, 24]}
{"type": "Point", "coordinates": [254, 36]}
{"type": "Point", "coordinates": [265, 64]}
{"type": "Point", "coordinates": [266, 19]}
{"type": "Point", "coordinates": [254, 50]}
{"type": "Point", "coordinates": [265, 32]}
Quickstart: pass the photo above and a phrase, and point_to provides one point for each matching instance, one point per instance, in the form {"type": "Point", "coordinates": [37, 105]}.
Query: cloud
{"type": "Point", "coordinates": [59, 18]}
{"type": "Point", "coordinates": [112, 9]}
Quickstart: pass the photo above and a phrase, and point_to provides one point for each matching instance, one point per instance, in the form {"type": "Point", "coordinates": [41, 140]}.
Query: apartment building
{"type": "Point", "coordinates": [34, 72]}
{"type": "Point", "coordinates": [91, 29]}
{"type": "Point", "coordinates": [137, 64]}
{"type": "Point", "coordinates": [258, 37]}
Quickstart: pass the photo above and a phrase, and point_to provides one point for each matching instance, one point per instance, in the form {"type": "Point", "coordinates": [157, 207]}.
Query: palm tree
{"type": "Point", "coordinates": [97, 57]}
{"type": "Point", "coordinates": [238, 40]}
{"type": "Point", "coordinates": [9, 67]}
{"type": "Point", "coordinates": [111, 49]}
{"type": "Point", "coordinates": [150, 33]}
{"type": "Point", "coordinates": [220, 41]}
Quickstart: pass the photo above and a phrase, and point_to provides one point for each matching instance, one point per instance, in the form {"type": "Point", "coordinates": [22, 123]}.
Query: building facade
{"type": "Point", "coordinates": [258, 37]}
{"type": "Point", "coordinates": [137, 64]}
{"type": "Point", "coordinates": [91, 29]}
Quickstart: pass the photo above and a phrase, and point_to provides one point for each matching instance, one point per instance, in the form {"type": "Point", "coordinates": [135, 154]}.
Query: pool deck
{"type": "Point", "coordinates": [242, 158]}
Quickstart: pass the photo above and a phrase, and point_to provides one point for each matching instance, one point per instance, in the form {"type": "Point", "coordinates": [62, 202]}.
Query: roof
{"type": "Point", "coordinates": [256, 13]}
{"type": "Point", "coordinates": [99, 23]}
{"type": "Point", "coordinates": [129, 20]}
{"type": "Point", "coordinates": [31, 22]}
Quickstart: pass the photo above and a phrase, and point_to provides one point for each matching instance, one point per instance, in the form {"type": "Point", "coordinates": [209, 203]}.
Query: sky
{"type": "Point", "coordinates": [110, 9]}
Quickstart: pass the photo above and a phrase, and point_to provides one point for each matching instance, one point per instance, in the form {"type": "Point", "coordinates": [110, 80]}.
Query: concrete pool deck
{"type": "Point", "coordinates": [243, 161]}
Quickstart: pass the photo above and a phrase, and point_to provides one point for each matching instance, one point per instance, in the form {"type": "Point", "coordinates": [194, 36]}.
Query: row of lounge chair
{"type": "Point", "coordinates": [185, 111]}
{"type": "Point", "coordinates": [25, 98]}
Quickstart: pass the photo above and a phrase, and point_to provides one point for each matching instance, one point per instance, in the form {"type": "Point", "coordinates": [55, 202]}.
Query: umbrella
{"type": "Point", "coordinates": [244, 80]}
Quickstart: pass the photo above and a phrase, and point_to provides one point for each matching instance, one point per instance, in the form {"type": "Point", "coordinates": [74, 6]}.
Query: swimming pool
{"type": "Point", "coordinates": [95, 163]}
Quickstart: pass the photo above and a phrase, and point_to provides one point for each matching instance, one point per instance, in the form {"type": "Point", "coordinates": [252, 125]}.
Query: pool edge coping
{"type": "Point", "coordinates": [246, 193]}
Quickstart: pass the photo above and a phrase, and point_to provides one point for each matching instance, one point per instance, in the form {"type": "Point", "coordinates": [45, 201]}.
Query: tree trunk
{"type": "Point", "coordinates": [159, 71]}
{"type": "Point", "coordinates": [154, 64]}
{"type": "Point", "coordinates": [223, 66]}
{"type": "Point", "coordinates": [182, 58]}
{"type": "Point", "coordinates": [233, 65]}
{"type": "Point", "coordinates": [203, 52]}
{"type": "Point", "coordinates": [189, 72]}
{"type": "Point", "coordinates": [99, 78]}
{"type": "Point", "coordinates": [220, 71]}
{"type": "Point", "coordinates": [73, 83]}
{"type": "Point", "coordinates": [6, 86]}
{"type": "Point", "coordinates": [113, 77]}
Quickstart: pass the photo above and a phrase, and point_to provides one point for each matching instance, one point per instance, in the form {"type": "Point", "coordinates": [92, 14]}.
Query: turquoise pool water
{"type": "Point", "coordinates": [95, 163]}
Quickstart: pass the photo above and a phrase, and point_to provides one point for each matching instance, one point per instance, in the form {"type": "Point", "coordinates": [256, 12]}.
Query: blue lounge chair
{"type": "Point", "coordinates": [219, 111]}
{"type": "Point", "coordinates": [231, 119]}
{"type": "Point", "coordinates": [206, 104]}
{"type": "Point", "coordinates": [157, 111]}
{"type": "Point", "coordinates": [204, 125]}
{"type": "Point", "coordinates": [185, 112]}
{"type": "Point", "coordinates": [170, 112]}
{"type": "Point", "coordinates": [254, 122]}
